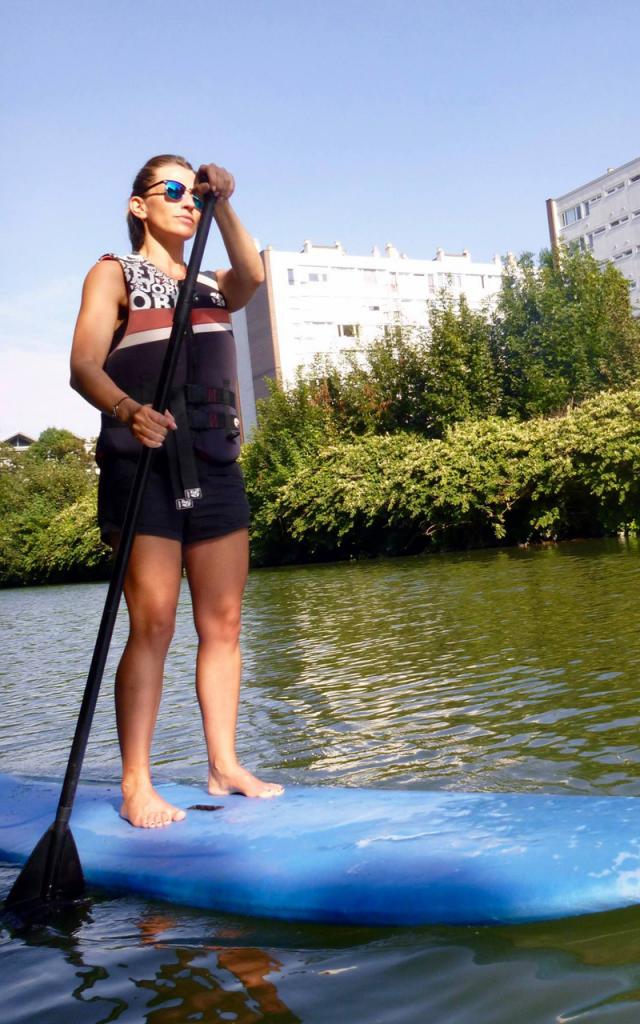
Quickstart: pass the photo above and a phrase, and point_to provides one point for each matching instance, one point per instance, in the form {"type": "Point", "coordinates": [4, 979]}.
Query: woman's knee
{"type": "Point", "coordinates": [220, 625]}
{"type": "Point", "coordinates": [153, 624]}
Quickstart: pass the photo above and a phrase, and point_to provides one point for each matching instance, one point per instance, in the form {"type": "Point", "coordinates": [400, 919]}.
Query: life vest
{"type": "Point", "coordinates": [202, 401]}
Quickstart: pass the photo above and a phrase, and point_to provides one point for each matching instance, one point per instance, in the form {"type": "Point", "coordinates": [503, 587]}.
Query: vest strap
{"type": "Point", "coordinates": [180, 455]}
{"type": "Point", "coordinates": [202, 394]}
{"type": "Point", "coordinates": [206, 419]}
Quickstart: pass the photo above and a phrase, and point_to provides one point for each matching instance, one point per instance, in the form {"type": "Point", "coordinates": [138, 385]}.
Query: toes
{"type": "Point", "coordinates": [271, 791]}
{"type": "Point", "coordinates": [154, 818]}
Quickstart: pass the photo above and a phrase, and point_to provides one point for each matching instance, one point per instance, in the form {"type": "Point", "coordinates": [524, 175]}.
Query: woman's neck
{"type": "Point", "coordinates": [168, 257]}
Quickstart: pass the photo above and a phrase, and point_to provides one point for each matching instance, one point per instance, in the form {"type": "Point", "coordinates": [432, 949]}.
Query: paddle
{"type": "Point", "coordinates": [53, 871]}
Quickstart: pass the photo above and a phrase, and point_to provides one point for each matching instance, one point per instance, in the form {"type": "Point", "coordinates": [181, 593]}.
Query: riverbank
{"type": "Point", "coordinates": [485, 483]}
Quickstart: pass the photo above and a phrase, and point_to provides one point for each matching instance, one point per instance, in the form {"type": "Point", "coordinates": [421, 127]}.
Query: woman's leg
{"type": "Point", "coordinates": [151, 590]}
{"type": "Point", "coordinates": [217, 572]}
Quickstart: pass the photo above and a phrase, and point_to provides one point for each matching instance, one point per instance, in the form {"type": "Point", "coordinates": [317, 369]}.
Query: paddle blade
{"type": "Point", "coordinates": [49, 875]}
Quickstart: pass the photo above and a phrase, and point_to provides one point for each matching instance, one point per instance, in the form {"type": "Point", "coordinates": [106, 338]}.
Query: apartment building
{"type": "Point", "coordinates": [603, 216]}
{"type": "Point", "coordinates": [323, 301]}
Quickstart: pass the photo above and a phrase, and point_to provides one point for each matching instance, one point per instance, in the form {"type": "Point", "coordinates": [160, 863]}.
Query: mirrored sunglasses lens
{"type": "Point", "coordinates": [197, 202]}
{"type": "Point", "coordinates": [174, 189]}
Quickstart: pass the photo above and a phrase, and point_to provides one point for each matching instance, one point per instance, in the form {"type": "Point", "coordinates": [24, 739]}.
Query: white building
{"type": "Point", "coordinates": [604, 217]}
{"type": "Point", "coordinates": [322, 301]}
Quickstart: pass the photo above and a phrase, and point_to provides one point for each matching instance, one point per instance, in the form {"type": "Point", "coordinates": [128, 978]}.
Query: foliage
{"type": "Point", "coordinates": [70, 547]}
{"type": "Point", "coordinates": [559, 333]}
{"type": "Point", "coordinates": [562, 332]}
{"type": "Point", "coordinates": [449, 435]}
{"type": "Point", "coordinates": [47, 512]}
{"type": "Point", "coordinates": [485, 482]}
{"type": "Point", "coordinates": [461, 380]}
{"type": "Point", "coordinates": [55, 445]}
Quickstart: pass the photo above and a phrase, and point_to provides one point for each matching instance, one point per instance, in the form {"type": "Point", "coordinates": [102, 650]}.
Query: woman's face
{"type": "Point", "coordinates": [164, 216]}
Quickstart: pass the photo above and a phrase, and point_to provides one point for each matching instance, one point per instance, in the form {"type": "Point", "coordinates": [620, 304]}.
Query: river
{"type": "Point", "coordinates": [508, 670]}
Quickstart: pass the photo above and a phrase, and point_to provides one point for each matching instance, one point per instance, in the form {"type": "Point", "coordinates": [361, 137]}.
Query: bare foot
{"type": "Point", "coordinates": [145, 808]}
{"type": "Point", "coordinates": [239, 780]}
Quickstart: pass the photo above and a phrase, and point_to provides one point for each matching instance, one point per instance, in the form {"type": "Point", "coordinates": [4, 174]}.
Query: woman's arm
{"type": "Point", "coordinates": [240, 282]}
{"type": "Point", "coordinates": [104, 300]}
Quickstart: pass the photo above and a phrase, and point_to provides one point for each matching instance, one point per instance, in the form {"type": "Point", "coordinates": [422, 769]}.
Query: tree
{"type": "Point", "coordinates": [461, 379]}
{"type": "Point", "coordinates": [378, 388]}
{"type": "Point", "coordinates": [562, 332]}
{"type": "Point", "coordinates": [36, 486]}
{"type": "Point", "coordinates": [56, 445]}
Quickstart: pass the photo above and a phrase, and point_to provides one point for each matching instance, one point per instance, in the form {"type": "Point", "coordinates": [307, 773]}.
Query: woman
{"type": "Point", "coordinates": [194, 511]}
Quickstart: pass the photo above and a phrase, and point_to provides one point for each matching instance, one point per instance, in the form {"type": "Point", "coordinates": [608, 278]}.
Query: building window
{"type": "Point", "coordinates": [623, 255]}
{"type": "Point", "coordinates": [614, 188]}
{"type": "Point", "coordinates": [349, 330]}
{"type": "Point", "coordinates": [291, 276]}
{"type": "Point", "coordinates": [573, 214]}
{"type": "Point", "coordinates": [316, 276]}
{"type": "Point", "coordinates": [635, 178]}
{"type": "Point", "coordinates": [594, 199]}
{"type": "Point", "coordinates": [620, 220]}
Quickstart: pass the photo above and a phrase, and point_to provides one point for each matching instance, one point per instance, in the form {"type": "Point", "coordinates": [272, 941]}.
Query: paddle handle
{"type": "Point", "coordinates": [116, 584]}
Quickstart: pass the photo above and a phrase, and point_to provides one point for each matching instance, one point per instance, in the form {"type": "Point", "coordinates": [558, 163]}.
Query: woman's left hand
{"type": "Point", "coordinates": [211, 178]}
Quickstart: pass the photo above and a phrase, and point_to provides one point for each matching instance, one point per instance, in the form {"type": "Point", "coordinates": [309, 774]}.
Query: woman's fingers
{"type": "Point", "coordinates": [151, 427]}
{"type": "Point", "coordinates": [211, 178]}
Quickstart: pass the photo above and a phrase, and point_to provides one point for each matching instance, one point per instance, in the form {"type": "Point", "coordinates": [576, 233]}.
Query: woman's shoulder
{"type": "Point", "coordinates": [131, 258]}
{"type": "Point", "coordinates": [105, 276]}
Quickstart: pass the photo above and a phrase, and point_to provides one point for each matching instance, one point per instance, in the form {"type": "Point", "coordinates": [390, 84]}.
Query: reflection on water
{"type": "Point", "coordinates": [505, 670]}
{"type": "Point", "coordinates": [210, 982]}
{"type": "Point", "coordinates": [137, 962]}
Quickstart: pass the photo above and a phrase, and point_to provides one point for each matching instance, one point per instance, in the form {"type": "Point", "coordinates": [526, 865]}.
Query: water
{"type": "Point", "coordinates": [503, 670]}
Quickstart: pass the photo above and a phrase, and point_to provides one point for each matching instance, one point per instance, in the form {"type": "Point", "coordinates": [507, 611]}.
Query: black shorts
{"type": "Point", "coordinates": [223, 507]}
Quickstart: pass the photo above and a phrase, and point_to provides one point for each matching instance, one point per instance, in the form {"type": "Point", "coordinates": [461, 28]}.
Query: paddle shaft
{"type": "Point", "coordinates": [116, 584]}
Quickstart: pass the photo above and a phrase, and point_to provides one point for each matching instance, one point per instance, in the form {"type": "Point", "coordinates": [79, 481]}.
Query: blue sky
{"type": "Point", "coordinates": [421, 123]}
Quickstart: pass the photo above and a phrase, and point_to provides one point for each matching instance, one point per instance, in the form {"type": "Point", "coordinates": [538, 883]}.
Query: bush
{"type": "Point", "coordinates": [47, 512]}
{"type": "Point", "coordinates": [485, 482]}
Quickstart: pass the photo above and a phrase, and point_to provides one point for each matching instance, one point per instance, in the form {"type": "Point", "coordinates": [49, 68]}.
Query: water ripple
{"type": "Point", "coordinates": [491, 670]}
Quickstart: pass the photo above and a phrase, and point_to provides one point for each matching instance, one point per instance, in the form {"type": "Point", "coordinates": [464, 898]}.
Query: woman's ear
{"type": "Point", "coordinates": [138, 207]}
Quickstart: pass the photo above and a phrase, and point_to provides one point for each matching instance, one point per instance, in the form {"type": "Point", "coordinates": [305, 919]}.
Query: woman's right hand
{"type": "Point", "coordinates": [147, 426]}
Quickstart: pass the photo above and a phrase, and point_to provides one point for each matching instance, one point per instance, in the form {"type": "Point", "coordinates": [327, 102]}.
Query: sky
{"type": "Point", "coordinates": [425, 124]}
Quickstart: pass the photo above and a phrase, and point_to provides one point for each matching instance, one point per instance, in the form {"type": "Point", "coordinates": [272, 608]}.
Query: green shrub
{"type": "Point", "coordinates": [486, 482]}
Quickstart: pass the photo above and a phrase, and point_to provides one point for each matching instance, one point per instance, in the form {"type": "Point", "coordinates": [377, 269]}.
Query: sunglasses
{"type": "Point", "coordinates": [174, 191]}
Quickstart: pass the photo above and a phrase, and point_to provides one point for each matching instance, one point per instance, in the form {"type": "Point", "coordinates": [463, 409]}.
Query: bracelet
{"type": "Point", "coordinates": [114, 411]}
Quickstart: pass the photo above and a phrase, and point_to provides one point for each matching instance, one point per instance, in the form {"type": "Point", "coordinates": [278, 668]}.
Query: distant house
{"type": "Point", "coordinates": [19, 441]}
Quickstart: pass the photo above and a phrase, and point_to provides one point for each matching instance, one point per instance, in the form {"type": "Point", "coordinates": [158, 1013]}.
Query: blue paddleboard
{"type": "Point", "coordinates": [356, 856]}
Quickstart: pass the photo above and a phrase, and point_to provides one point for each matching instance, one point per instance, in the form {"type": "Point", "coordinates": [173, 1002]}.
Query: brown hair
{"type": "Point", "coordinates": [143, 180]}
